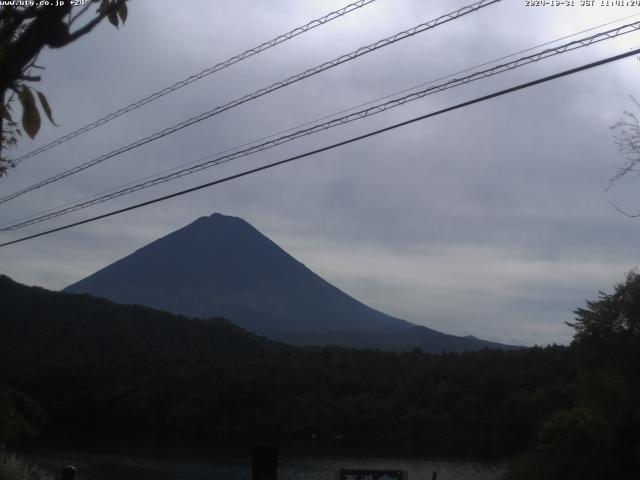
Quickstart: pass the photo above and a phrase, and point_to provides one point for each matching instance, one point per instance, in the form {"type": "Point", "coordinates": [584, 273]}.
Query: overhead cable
{"type": "Point", "coordinates": [259, 93]}
{"type": "Point", "coordinates": [214, 160]}
{"type": "Point", "coordinates": [198, 76]}
{"type": "Point", "coordinates": [332, 146]}
{"type": "Point", "coordinates": [311, 122]}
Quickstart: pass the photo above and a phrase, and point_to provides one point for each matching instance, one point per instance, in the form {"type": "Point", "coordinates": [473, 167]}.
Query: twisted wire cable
{"type": "Point", "coordinates": [212, 160]}
{"type": "Point", "coordinates": [311, 122]}
{"type": "Point", "coordinates": [259, 93]}
{"type": "Point", "coordinates": [358, 138]}
{"type": "Point", "coordinates": [198, 76]}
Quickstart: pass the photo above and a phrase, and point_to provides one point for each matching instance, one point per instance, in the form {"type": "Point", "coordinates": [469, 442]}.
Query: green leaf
{"type": "Point", "coordinates": [46, 107]}
{"type": "Point", "coordinates": [30, 114]}
{"type": "Point", "coordinates": [123, 11]}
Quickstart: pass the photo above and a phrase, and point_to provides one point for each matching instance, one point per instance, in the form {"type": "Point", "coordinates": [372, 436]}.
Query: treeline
{"type": "Point", "coordinates": [574, 411]}
{"type": "Point", "coordinates": [37, 324]}
{"type": "Point", "coordinates": [596, 435]}
{"type": "Point", "coordinates": [482, 403]}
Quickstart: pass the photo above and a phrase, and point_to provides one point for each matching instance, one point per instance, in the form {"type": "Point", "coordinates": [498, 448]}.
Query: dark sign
{"type": "Point", "coordinates": [372, 475]}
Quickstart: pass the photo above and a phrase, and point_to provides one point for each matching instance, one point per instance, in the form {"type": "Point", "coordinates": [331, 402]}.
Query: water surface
{"type": "Point", "coordinates": [102, 466]}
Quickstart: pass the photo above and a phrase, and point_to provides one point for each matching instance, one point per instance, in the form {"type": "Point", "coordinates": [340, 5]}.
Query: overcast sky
{"type": "Point", "coordinates": [492, 220]}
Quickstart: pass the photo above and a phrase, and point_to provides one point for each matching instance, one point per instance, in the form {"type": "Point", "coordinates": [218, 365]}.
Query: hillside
{"type": "Point", "coordinates": [38, 324]}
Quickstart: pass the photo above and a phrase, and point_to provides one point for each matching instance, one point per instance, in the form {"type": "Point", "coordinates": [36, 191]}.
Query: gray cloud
{"type": "Point", "coordinates": [491, 221]}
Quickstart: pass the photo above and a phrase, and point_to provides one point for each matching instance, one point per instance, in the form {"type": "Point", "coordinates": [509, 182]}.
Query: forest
{"type": "Point", "coordinates": [559, 411]}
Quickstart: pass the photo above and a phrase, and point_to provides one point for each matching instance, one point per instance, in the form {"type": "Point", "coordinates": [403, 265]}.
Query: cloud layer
{"type": "Point", "coordinates": [491, 220]}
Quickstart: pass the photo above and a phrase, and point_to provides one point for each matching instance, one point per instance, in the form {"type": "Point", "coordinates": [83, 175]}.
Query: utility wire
{"type": "Point", "coordinates": [522, 86]}
{"type": "Point", "coordinates": [258, 93]}
{"type": "Point", "coordinates": [213, 160]}
{"type": "Point", "coordinates": [291, 129]}
{"type": "Point", "coordinates": [310, 122]}
{"type": "Point", "coordinates": [198, 76]}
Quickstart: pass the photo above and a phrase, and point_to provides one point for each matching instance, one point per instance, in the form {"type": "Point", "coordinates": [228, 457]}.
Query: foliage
{"type": "Point", "coordinates": [452, 404]}
{"type": "Point", "coordinates": [598, 435]}
{"type": "Point", "coordinates": [577, 442]}
{"type": "Point", "coordinates": [13, 468]}
{"type": "Point", "coordinates": [571, 412]}
{"type": "Point", "coordinates": [19, 415]}
{"type": "Point", "coordinates": [24, 31]}
{"type": "Point", "coordinates": [39, 324]}
{"type": "Point", "coordinates": [613, 318]}
{"type": "Point", "coordinates": [98, 366]}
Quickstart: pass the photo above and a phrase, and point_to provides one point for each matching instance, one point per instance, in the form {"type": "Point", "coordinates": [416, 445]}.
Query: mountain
{"type": "Point", "coordinates": [222, 266]}
{"type": "Point", "coordinates": [38, 324]}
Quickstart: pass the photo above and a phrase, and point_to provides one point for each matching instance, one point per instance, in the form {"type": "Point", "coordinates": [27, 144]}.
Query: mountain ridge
{"type": "Point", "coordinates": [223, 266]}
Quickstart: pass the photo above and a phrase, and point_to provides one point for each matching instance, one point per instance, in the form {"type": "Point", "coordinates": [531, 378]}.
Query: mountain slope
{"type": "Point", "coordinates": [38, 324]}
{"type": "Point", "coordinates": [222, 266]}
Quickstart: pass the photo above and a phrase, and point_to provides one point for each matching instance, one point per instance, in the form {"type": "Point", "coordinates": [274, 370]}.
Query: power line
{"type": "Point", "coordinates": [291, 129]}
{"type": "Point", "coordinates": [259, 93]}
{"type": "Point", "coordinates": [335, 122]}
{"type": "Point", "coordinates": [213, 160]}
{"type": "Point", "coordinates": [334, 145]}
{"type": "Point", "coordinates": [198, 76]}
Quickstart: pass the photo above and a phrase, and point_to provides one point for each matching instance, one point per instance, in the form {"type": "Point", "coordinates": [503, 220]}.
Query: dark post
{"type": "Point", "coordinates": [69, 473]}
{"type": "Point", "coordinates": [264, 463]}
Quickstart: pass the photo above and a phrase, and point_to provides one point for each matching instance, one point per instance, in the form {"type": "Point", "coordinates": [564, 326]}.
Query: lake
{"type": "Point", "coordinates": [108, 466]}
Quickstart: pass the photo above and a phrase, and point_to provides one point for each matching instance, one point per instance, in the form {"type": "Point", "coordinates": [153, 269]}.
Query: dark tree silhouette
{"type": "Point", "coordinates": [24, 32]}
{"type": "Point", "coordinates": [614, 317]}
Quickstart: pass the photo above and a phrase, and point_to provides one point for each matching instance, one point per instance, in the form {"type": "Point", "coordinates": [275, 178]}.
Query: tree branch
{"type": "Point", "coordinates": [84, 30]}
{"type": "Point", "coordinates": [626, 214]}
{"type": "Point", "coordinates": [47, 28]}
{"type": "Point", "coordinates": [93, 23]}
{"type": "Point", "coordinates": [20, 15]}
{"type": "Point", "coordinates": [30, 78]}
{"type": "Point", "coordinates": [43, 30]}
{"type": "Point", "coordinates": [80, 13]}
